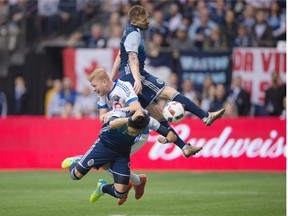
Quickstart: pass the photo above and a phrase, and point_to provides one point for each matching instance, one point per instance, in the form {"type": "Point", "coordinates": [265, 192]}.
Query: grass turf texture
{"type": "Point", "coordinates": [174, 193]}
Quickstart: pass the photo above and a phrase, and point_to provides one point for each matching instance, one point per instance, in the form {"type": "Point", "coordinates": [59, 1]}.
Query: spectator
{"type": "Point", "coordinates": [237, 6]}
{"type": "Point", "coordinates": [208, 81]}
{"type": "Point", "coordinates": [173, 80]}
{"type": "Point", "coordinates": [201, 29]}
{"type": "Point", "coordinates": [54, 90]}
{"type": "Point", "coordinates": [48, 17]}
{"type": "Point", "coordinates": [174, 18]}
{"type": "Point", "coordinates": [68, 94]}
{"type": "Point", "coordinates": [86, 104]}
{"type": "Point", "coordinates": [3, 105]}
{"type": "Point", "coordinates": [4, 11]}
{"type": "Point", "coordinates": [189, 7]}
{"type": "Point", "coordinates": [215, 42]}
{"type": "Point", "coordinates": [220, 98]}
{"type": "Point", "coordinates": [240, 97]}
{"type": "Point", "coordinates": [124, 14]}
{"type": "Point", "coordinates": [91, 39]}
{"type": "Point", "coordinates": [274, 96]}
{"type": "Point", "coordinates": [159, 61]}
{"type": "Point", "coordinates": [181, 40]}
{"type": "Point", "coordinates": [229, 28]}
{"type": "Point", "coordinates": [53, 101]}
{"type": "Point", "coordinates": [157, 24]}
{"type": "Point", "coordinates": [62, 102]}
{"type": "Point", "coordinates": [243, 39]}
{"type": "Point", "coordinates": [263, 4]}
{"type": "Point", "coordinates": [115, 37]}
{"type": "Point", "coordinates": [113, 22]}
{"type": "Point", "coordinates": [19, 98]}
{"type": "Point", "coordinates": [261, 31]}
{"type": "Point", "coordinates": [230, 109]}
{"type": "Point", "coordinates": [277, 21]}
{"type": "Point", "coordinates": [283, 113]}
{"type": "Point", "coordinates": [209, 97]}
{"type": "Point", "coordinates": [188, 89]}
{"type": "Point", "coordinates": [69, 16]}
{"type": "Point", "coordinates": [248, 17]}
{"type": "Point", "coordinates": [218, 12]}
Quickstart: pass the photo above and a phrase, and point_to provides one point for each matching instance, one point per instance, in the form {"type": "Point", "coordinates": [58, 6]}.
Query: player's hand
{"type": "Point", "coordinates": [138, 113]}
{"type": "Point", "coordinates": [105, 117]}
{"type": "Point", "coordinates": [138, 87]}
{"type": "Point", "coordinates": [163, 140]}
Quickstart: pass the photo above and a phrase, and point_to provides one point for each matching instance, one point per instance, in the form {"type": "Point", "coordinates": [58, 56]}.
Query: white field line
{"type": "Point", "coordinates": [256, 193]}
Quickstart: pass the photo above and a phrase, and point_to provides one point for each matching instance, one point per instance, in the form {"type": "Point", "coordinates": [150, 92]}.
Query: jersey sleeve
{"type": "Point", "coordinates": [132, 42]}
{"type": "Point", "coordinates": [118, 114]}
{"type": "Point", "coordinates": [101, 103]}
{"type": "Point", "coordinates": [131, 95]}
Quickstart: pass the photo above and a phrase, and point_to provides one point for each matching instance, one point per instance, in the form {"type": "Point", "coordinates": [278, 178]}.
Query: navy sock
{"type": "Point", "coordinates": [71, 170]}
{"type": "Point", "coordinates": [109, 188]}
{"type": "Point", "coordinates": [190, 106]}
{"type": "Point", "coordinates": [72, 166]}
{"type": "Point", "coordinates": [179, 142]}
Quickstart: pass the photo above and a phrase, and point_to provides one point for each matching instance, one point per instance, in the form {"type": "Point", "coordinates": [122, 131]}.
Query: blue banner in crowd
{"type": "Point", "coordinates": [196, 66]}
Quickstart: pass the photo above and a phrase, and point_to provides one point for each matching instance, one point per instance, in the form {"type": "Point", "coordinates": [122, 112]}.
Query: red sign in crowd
{"type": "Point", "coordinates": [229, 144]}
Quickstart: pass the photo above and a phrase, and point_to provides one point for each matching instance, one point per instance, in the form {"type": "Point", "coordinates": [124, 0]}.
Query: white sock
{"type": "Point", "coordinates": [134, 178]}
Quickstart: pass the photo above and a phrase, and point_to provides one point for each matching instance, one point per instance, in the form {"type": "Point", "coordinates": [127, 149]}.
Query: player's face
{"type": "Point", "coordinates": [142, 22]}
{"type": "Point", "coordinates": [133, 131]}
{"type": "Point", "coordinates": [99, 87]}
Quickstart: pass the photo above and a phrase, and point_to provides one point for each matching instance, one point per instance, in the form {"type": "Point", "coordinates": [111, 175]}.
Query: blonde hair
{"type": "Point", "coordinates": [98, 73]}
{"type": "Point", "coordinates": [135, 12]}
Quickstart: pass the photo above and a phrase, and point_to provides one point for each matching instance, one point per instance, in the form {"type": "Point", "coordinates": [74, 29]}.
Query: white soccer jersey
{"type": "Point", "coordinates": [121, 96]}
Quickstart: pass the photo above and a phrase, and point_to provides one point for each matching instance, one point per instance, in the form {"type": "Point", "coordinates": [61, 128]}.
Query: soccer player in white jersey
{"type": "Point", "coordinates": [119, 94]}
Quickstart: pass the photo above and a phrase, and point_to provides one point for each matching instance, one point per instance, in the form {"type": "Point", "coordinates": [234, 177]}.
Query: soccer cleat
{"type": "Point", "coordinates": [212, 116]}
{"type": "Point", "coordinates": [97, 193]}
{"type": "Point", "coordinates": [66, 163]}
{"type": "Point", "coordinates": [124, 198]}
{"type": "Point", "coordinates": [189, 150]}
{"type": "Point", "coordinates": [139, 189]}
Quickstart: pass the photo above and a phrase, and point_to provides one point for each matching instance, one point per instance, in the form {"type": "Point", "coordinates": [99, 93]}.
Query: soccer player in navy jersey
{"type": "Point", "coordinates": [130, 62]}
{"type": "Point", "coordinates": [120, 95]}
{"type": "Point", "coordinates": [113, 147]}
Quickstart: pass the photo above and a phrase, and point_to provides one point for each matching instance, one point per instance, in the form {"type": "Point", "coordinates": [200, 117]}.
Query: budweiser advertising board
{"type": "Point", "coordinates": [229, 144]}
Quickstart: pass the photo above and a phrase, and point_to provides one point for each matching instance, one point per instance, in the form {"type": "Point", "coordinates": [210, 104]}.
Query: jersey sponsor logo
{"type": "Point", "coordinates": [116, 98]}
{"type": "Point", "coordinates": [90, 162]}
{"type": "Point", "coordinates": [159, 81]}
{"type": "Point", "coordinates": [117, 105]}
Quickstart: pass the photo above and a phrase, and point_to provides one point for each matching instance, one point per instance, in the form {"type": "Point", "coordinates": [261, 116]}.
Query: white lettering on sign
{"type": "Point", "coordinates": [224, 145]}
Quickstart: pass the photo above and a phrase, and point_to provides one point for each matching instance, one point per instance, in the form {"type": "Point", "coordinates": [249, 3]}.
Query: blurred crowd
{"type": "Point", "coordinates": [217, 25]}
{"type": "Point", "coordinates": [61, 99]}
{"type": "Point", "coordinates": [199, 24]}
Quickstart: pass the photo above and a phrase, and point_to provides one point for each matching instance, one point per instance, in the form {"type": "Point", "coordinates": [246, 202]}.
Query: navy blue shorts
{"type": "Point", "coordinates": [99, 155]}
{"type": "Point", "coordinates": [152, 86]}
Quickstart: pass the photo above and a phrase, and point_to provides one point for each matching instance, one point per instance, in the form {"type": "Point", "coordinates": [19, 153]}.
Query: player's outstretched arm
{"type": "Point", "coordinates": [134, 65]}
{"type": "Point", "coordinates": [115, 67]}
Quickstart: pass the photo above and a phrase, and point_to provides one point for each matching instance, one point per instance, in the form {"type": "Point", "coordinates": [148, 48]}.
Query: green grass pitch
{"type": "Point", "coordinates": [36, 193]}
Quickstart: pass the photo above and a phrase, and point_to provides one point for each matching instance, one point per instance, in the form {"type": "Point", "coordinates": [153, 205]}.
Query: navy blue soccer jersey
{"type": "Point", "coordinates": [118, 139]}
{"type": "Point", "coordinates": [132, 41]}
